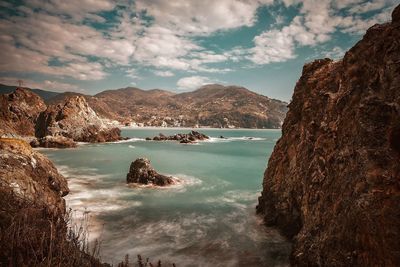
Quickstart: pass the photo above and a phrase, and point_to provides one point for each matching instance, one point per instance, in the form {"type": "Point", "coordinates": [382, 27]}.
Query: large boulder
{"type": "Point", "coordinates": [76, 120]}
{"type": "Point", "coordinates": [141, 172]}
{"type": "Point", "coordinates": [332, 182]}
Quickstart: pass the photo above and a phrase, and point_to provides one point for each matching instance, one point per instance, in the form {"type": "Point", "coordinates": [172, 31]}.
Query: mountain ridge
{"type": "Point", "coordinates": [211, 105]}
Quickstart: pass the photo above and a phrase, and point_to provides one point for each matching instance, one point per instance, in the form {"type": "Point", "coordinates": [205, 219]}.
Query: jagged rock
{"type": "Point", "coordinates": [31, 176]}
{"type": "Point", "coordinates": [75, 120]}
{"type": "Point", "coordinates": [56, 142]}
{"type": "Point", "coordinates": [332, 181]}
{"type": "Point", "coordinates": [19, 111]}
{"type": "Point", "coordinates": [191, 137]}
{"type": "Point", "coordinates": [141, 172]}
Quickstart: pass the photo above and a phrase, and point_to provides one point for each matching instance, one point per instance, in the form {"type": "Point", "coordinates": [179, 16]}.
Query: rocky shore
{"type": "Point", "coordinates": [26, 116]}
{"type": "Point", "coordinates": [33, 219]}
{"type": "Point", "coordinates": [141, 172]}
{"type": "Point", "coordinates": [188, 138]}
{"type": "Point", "coordinates": [332, 182]}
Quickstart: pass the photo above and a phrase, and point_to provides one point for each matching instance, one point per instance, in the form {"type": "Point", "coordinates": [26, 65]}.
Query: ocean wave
{"type": "Point", "coordinates": [133, 139]}
{"type": "Point", "coordinates": [230, 139]}
{"type": "Point", "coordinates": [181, 181]}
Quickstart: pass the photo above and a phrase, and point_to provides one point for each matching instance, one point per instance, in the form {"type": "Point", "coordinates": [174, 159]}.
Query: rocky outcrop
{"type": "Point", "coordinates": [141, 172]}
{"type": "Point", "coordinates": [53, 142]}
{"type": "Point", "coordinates": [76, 120]}
{"type": "Point", "coordinates": [333, 180]}
{"type": "Point", "coordinates": [31, 176]}
{"type": "Point", "coordinates": [34, 228]}
{"type": "Point", "coordinates": [19, 111]}
{"type": "Point", "coordinates": [188, 138]}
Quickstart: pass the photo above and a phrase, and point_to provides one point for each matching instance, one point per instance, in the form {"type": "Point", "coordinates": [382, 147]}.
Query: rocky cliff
{"type": "Point", "coordinates": [76, 120]}
{"type": "Point", "coordinates": [34, 228]}
{"type": "Point", "coordinates": [19, 111]}
{"type": "Point", "coordinates": [333, 181]}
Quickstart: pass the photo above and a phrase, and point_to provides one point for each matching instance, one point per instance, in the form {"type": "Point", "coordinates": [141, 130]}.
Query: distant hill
{"type": "Point", "coordinates": [211, 105]}
{"type": "Point", "coordinates": [45, 95]}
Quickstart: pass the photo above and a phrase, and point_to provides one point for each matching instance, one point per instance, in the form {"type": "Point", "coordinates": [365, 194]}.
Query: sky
{"type": "Point", "coordinates": [92, 45]}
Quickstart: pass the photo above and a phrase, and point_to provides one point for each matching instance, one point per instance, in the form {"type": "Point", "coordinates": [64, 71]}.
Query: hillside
{"type": "Point", "coordinates": [211, 105]}
{"type": "Point", "coordinates": [45, 95]}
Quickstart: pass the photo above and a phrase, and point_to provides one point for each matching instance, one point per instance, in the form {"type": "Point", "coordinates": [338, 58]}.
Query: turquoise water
{"type": "Point", "coordinates": [208, 220]}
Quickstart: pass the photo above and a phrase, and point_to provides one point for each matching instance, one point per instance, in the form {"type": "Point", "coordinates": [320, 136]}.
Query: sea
{"type": "Point", "coordinates": [208, 219]}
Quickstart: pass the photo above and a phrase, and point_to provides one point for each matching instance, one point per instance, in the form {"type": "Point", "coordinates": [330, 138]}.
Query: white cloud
{"type": "Point", "coordinates": [193, 82]}
{"type": "Point", "coordinates": [202, 17]}
{"type": "Point", "coordinates": [132, 73]}
{"type": "Point", "coordinates": [316, 22]}
{"type": "Point", "coordinates": [164, 73]}
{"type": "Point", "coordinates": [336, 53]}
{"type": "Point", "coordinates": [45, 85]}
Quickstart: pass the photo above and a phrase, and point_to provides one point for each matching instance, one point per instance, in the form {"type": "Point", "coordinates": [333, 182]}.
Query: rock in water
{"type": "Point", "coordinates": [75, 120]}
{"type": "Point", "coordinates": [141, 172]}
{"type": "Point", "coordinates": [333, 181]}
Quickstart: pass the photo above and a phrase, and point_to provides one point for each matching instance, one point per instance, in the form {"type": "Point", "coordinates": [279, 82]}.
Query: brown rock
{"type": "Point", "coordinates": [141, 172]}
{"type": "Point", "coordinates": [76, 120]}
{"type": "Point", "coordinates": [56, 142]}
{"type": "Point", "coordinates": [19, 111]}
{"type": "Point", "coordinates": [332, 182]}
{"type": "Point", "coordinates": [31, 176]}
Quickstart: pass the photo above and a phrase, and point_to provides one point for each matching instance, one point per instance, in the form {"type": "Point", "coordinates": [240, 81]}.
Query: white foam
{"type": "Point", "coordinates": [230, 139]}
{"type": "Point", "coordinates": [131, 146]}
{"type": "Point", "coordinates": [134, 139]}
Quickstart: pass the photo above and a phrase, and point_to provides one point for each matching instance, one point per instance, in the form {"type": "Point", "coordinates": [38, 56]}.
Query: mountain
{"type": "Point", "coordinates": [45, 95]}
{"type": "Point", "coordinates": [211, 105]}
{"type": "Point", "coordinates": [333, 180]}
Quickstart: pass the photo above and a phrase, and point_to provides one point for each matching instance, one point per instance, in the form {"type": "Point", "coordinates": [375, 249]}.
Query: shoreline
{"type": "Point", "coordinates": [194, 128]}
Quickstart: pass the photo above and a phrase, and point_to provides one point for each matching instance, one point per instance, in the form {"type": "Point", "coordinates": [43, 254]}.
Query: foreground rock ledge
{"type": "Point", "coordinates": [333, 181]}
{"type": "Point", "coordinates": [141, 172]}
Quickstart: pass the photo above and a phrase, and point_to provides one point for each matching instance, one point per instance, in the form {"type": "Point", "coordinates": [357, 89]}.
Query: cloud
{"type": "Point", "coordinates": [336, 53]}
{"type": "Point", "coordinates": [315, 23]}
{"type": "Point", "coordinates": [164, 73]}
{"type": "Point", "coordinates": [193, 82]}
{"type": "Point", "coordinates": [132, 73]}
{"type": "Point", "coordinates": [45, 85]}
{"type": "Point", "coordinates": [202, 17]}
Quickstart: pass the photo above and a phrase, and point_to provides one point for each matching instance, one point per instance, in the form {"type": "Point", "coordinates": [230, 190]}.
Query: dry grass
{"type": "Point", "coordinates": [30, 235]}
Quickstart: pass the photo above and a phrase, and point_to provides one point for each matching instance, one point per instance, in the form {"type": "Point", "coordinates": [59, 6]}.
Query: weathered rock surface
{"type": "Point", "coordinates": [188, 138]}
{"type": "Point", "coordinates": [54, 142]}
{"type": "Point", "coordinates": [31, 176]}
{"type": "Point", "coordinates": [333, 181]}
{"type": "Point", "coordinates": [76, 120]}
{"type": "Point", "coordinates": [33, 220]}
{"type": "Point", "coordinates": [19, 111]}
{"type": "Point", "coordinates": [141, 172]}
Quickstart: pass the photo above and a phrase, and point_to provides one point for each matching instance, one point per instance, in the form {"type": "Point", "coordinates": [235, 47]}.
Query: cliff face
{"type": "Point", "coordinates": [31, 176]}
{"type": "Point", "coordinates": [75, 120]}
{"type": "Point", "coordinates": [333, 181]}
{"type": "Point", "coordinates": [19, 111]}
{"type": "Point", "coordinates": [34, 228]}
